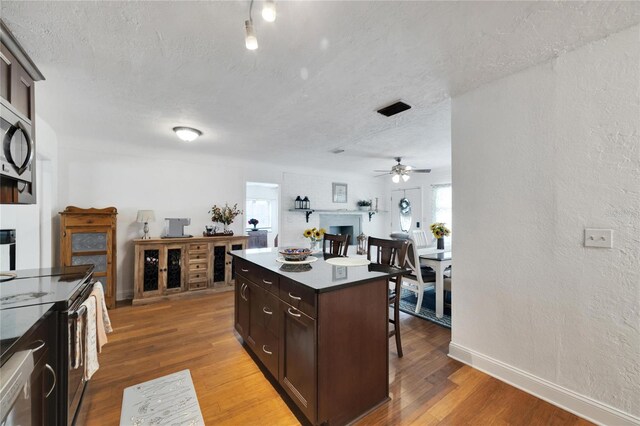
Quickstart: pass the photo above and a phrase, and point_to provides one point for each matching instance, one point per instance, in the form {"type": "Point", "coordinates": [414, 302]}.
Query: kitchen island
{"type": "Point", "coordinates": [320, 331]}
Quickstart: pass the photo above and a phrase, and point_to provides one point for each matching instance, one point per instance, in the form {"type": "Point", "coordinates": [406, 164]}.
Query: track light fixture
{"type": "Point", "coordinates": [268, 14]}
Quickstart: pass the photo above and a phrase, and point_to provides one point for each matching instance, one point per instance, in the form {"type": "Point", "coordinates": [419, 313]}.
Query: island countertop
{"type": "Point", "coordinates": [320, 276]}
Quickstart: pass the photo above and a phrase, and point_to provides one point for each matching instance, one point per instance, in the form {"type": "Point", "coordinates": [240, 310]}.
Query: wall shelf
{"type": "Point", "coordinates": [308, 212]}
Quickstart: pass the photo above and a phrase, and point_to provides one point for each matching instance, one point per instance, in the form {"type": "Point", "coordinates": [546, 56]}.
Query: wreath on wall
{"type": "Point", "coordinates": [405, 206]}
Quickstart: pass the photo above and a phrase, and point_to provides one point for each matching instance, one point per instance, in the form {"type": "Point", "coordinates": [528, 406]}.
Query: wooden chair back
{"type": "Point", "coordinates": [387, 252]}
{"type": "Point", "coordinates": [420, 239]}
{"type": "Point", "coordinates": [338, 244]}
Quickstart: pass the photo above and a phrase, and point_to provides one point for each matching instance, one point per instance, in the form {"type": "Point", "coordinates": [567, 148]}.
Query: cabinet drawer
{"type": "Point", "coordinates": [198, 256]}
{"type": "Point", "coordinates": [197, 247]}
{"type": "Point", "coordinates": [265, 278]}
{"type": "Point", "coordinates": [196, 267]}
{"type": "Point", "coordinates": [197, 285]}
{"type": "Point", "coordinates": [82, 220]}
{"type": "Point", "coordinates": [298, 296]}
{"type": "Point", "coordinates": [269, 309]}
{"type": "Point", "coordinates": [195, 277]}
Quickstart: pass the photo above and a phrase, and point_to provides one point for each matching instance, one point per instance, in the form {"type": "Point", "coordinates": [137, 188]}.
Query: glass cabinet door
{"type": "Point", "coordinates": [151, 270]}
{"type": "Point", "coordinates": [90, 246]}
{"type": "Point", "coordinates": [173, 268]}
{"type": "Point", "coordinates": [219, 264]}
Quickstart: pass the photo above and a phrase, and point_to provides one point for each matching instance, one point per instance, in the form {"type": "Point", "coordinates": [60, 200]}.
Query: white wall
{"type": "Point", "coordinates": [537, 157]}
{"type": "Point", "coordinates": [35, 247]}
{"type": "Point", "coordinates": [176, 184]}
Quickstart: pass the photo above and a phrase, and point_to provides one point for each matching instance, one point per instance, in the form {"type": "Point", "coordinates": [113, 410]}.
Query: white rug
{"type": "Point", "coordinates": [167, 400]}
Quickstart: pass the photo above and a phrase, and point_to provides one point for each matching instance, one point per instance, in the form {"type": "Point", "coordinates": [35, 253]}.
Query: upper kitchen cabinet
{"type": "Point", "coordinates": [17, 119]}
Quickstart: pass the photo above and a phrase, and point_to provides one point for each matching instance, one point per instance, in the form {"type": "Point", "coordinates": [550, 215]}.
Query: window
{"type": "Point", "coordinates": [442, 204]}
{"type": "Point", "coordinates": [260, 209]}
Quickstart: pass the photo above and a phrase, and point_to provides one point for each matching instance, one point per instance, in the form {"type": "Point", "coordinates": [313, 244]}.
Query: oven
{"type": "Point", "coordinates": [17, 153]}
{"type": "Point", "coordinates": [73, 378]}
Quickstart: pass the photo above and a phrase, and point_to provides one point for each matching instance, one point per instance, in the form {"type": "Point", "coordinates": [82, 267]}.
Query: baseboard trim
{"type": "Point", "coordinates": [578, 404]}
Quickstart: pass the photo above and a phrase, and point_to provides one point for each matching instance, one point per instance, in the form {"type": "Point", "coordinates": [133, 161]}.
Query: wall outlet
{"type": "Point", "coordinates": [598, 238]}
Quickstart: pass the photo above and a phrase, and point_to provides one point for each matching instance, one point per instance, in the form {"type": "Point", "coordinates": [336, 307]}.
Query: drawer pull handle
{"type": "Point", "coordinates": [293, 313]}
{"type": "Point", "coordinates": [242, 269]}
{"type": "Point", "coordinates": [267, 282]}
{"type": "Point", "coordinates": [40, 345]}
{"type": "Point", "coordinates": [266, 311]}
{"type": "Point", "coordinates": [242, 289]}
{"type": "Point", "coordinates": [294, 297]}
{"type": "Point", "coordinates": [264, 349]}
{"type": "Point", "coordinates": [53, 386]}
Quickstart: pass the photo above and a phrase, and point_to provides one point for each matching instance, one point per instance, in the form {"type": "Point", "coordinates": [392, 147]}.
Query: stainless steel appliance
{"type": "Point", "coordinates": [174, 227]}
{"type": "Point", "coordinates": [7, 249]}
{"type": "Point", "coordinates": [17, 154]}
{"type": "Point", "coordinates": [21, 378]}
{"type": "Point", "coordinates": [67, 288]}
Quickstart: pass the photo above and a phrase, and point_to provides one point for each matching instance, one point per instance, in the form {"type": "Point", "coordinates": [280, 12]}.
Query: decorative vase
{"type": "Point", "coordinates": [363, 208]}
{"type": "Point", "coordinates": [225, 227]}
{"type": "Point", "coordinates": [440, 243]}
{"type": "Point", "coordinates": [254, 228]}
{"type": "Point", "coordinates": [315, 246]}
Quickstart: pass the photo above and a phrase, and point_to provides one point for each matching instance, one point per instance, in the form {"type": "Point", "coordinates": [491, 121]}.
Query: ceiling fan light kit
{"type": "Point", "coordinates": [268, 14]}
{"type": "Point", "coordinates": [401, 171]}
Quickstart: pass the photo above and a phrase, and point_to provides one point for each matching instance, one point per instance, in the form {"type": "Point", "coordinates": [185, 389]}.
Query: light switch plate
{"type": "Point", "coordinates": [598, 238]}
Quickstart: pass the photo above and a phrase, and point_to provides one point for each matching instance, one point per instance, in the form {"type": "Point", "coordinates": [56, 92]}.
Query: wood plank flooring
{"type": "Point", "coordinates": [427, 387]}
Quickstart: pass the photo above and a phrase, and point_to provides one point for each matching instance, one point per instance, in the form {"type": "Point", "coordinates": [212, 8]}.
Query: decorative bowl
{"type": "Point", "coordinates": [295, 254]}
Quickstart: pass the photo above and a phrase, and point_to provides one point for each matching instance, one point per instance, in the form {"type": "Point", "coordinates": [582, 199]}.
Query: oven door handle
{"type": "Point", "coordinates": [53, 386]}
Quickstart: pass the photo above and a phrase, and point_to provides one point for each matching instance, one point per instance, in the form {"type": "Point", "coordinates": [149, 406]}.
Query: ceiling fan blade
{"type": "Point", "coordinates": [384, 174]}
{"type": "Point", "coordinates": [421, 170]}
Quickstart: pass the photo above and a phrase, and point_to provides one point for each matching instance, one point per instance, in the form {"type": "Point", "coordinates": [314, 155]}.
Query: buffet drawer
{"type": "Point", "coordinates": [196, 277]}
{"type": "Point", "coordinates": [198, 267]}
{"type": "Point", "coordinates": [300, 297]}
{"type": "Point", "coordinates": [198, 247]}
{"type": "Point", "coordinates": [199, 256]}
{"type": "Point", "coordinates": [199, 285]}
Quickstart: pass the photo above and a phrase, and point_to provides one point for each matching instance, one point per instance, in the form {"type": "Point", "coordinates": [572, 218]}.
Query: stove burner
{"type": "Point", "coordinates": [22, 297]}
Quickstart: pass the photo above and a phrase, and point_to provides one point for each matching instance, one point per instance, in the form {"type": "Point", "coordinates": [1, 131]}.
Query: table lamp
{"type": "Point", "coordinates": [146, 216]}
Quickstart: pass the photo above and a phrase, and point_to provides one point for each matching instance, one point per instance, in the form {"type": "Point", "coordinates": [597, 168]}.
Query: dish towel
{"type": "Point", "coordinates": [78, 339]}
{"type": "Point", "coordinates": [90, 339]}
{"type": "Point", "coordinates": [103, 323]}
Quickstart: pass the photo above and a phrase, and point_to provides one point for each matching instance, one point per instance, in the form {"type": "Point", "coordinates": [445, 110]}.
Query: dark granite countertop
{"type": "Point", "coordinates": [320, 275]}
{"type": "Point", "coordinates": [15, 322]}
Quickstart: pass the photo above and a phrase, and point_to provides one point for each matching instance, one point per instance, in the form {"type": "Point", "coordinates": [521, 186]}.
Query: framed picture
{"type": "Point", "coordinates": [339, 192]}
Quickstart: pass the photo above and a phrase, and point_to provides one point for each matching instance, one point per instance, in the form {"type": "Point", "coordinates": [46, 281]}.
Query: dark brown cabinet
{"type": "Point", "coordinates": [328, 351]}
{"type": "Point", "coordinates": [297, 368]}
{"type": "Point", "coordinates": [17, 90]}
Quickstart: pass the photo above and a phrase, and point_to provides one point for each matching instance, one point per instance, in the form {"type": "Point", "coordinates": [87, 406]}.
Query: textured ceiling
{"type": "Point", "coordinates": [130, 71]}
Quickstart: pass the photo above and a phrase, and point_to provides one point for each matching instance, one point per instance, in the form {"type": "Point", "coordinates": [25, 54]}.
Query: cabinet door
{"type": "Point", "coordinates": [230, 271]}
{"type": "Point", "coordinates": [243, 296]}
{"type": "Point", "coordinates": [219, 261]}
{"type": "Point", "coordinates": [92, 246]}
{"type": "Point", "coordinates": [150, 270]}
{"type": "Point", "coordinates": [173, 268]}
{"type": "Point", "coordinates": [297, 358]}
{"type": "Point", "coordinates": [267, 342]}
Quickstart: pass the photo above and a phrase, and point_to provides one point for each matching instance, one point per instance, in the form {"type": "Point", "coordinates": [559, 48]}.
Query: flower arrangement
{"type": "Point", "coordinates": [314, 234]}
{"type": "Point", "coordinates": [253, 222]}
{"type": "Point", "coordinates": [224, 215]}
{"type": "Point", "coordinates": [440, 230]}
{"type": "Point", "coordinates": [364, 203]}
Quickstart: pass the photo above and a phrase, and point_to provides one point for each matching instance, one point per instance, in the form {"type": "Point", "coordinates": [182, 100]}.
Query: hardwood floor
{"type": "Point", "coordinates": [427, 387]}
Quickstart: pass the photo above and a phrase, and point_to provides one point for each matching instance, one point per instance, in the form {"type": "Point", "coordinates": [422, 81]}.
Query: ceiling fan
{"type": "Point", "coordinates": [401, 171]}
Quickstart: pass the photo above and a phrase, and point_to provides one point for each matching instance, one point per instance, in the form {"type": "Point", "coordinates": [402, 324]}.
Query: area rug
{"type": "Point", "coordinates": [167, 400]}
{"type": "Point", "coordinates": [409, 299]}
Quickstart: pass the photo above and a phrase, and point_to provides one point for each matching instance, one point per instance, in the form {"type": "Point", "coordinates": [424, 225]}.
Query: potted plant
{"type": "Point", "coordinates": [315, 236]}
{"type": "Point", "coordinates": [224, 215]}
{"type": "Point", "coordinates": [364, 205]}
{"type": "Point", "coordinates": [440, 230]}
{"type": "Point", "coordinates": [254, 222]}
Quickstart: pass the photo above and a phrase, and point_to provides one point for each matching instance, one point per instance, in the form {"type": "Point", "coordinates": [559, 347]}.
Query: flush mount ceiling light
{"type": "Point", "coordinates": [268, 14]}
{"type": "Point", "coordinates": [187, 134]}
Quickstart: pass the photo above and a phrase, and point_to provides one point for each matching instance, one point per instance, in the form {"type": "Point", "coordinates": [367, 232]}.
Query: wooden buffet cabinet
{"type": "Point", "coordinates": [319, 332]}
{"type": "Point", "coordinates": [166, 267]}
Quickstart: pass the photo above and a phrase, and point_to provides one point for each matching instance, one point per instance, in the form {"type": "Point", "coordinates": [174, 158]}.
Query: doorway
{"type": "Point", "coordinates": [263, 205]}
{"type": "Point", "coordinates": [414, 196]}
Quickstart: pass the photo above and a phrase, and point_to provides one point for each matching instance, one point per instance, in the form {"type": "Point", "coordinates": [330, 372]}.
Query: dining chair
{"type": "Point", "coordinates": [391, 253]}
{"type": "Point", "coordinates": [421, 277]}
{"type": "Point", "coordinates": [338, 244]}
{"type": "Point", "coordinates": [421, 239]}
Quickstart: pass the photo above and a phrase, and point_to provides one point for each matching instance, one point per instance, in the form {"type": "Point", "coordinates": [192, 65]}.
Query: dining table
{"type": "Point", "coordinates": [439, 260]}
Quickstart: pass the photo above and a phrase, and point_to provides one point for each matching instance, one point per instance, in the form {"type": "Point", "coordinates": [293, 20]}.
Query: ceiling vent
{"type": "Point", "coordinates": [394, 109]}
